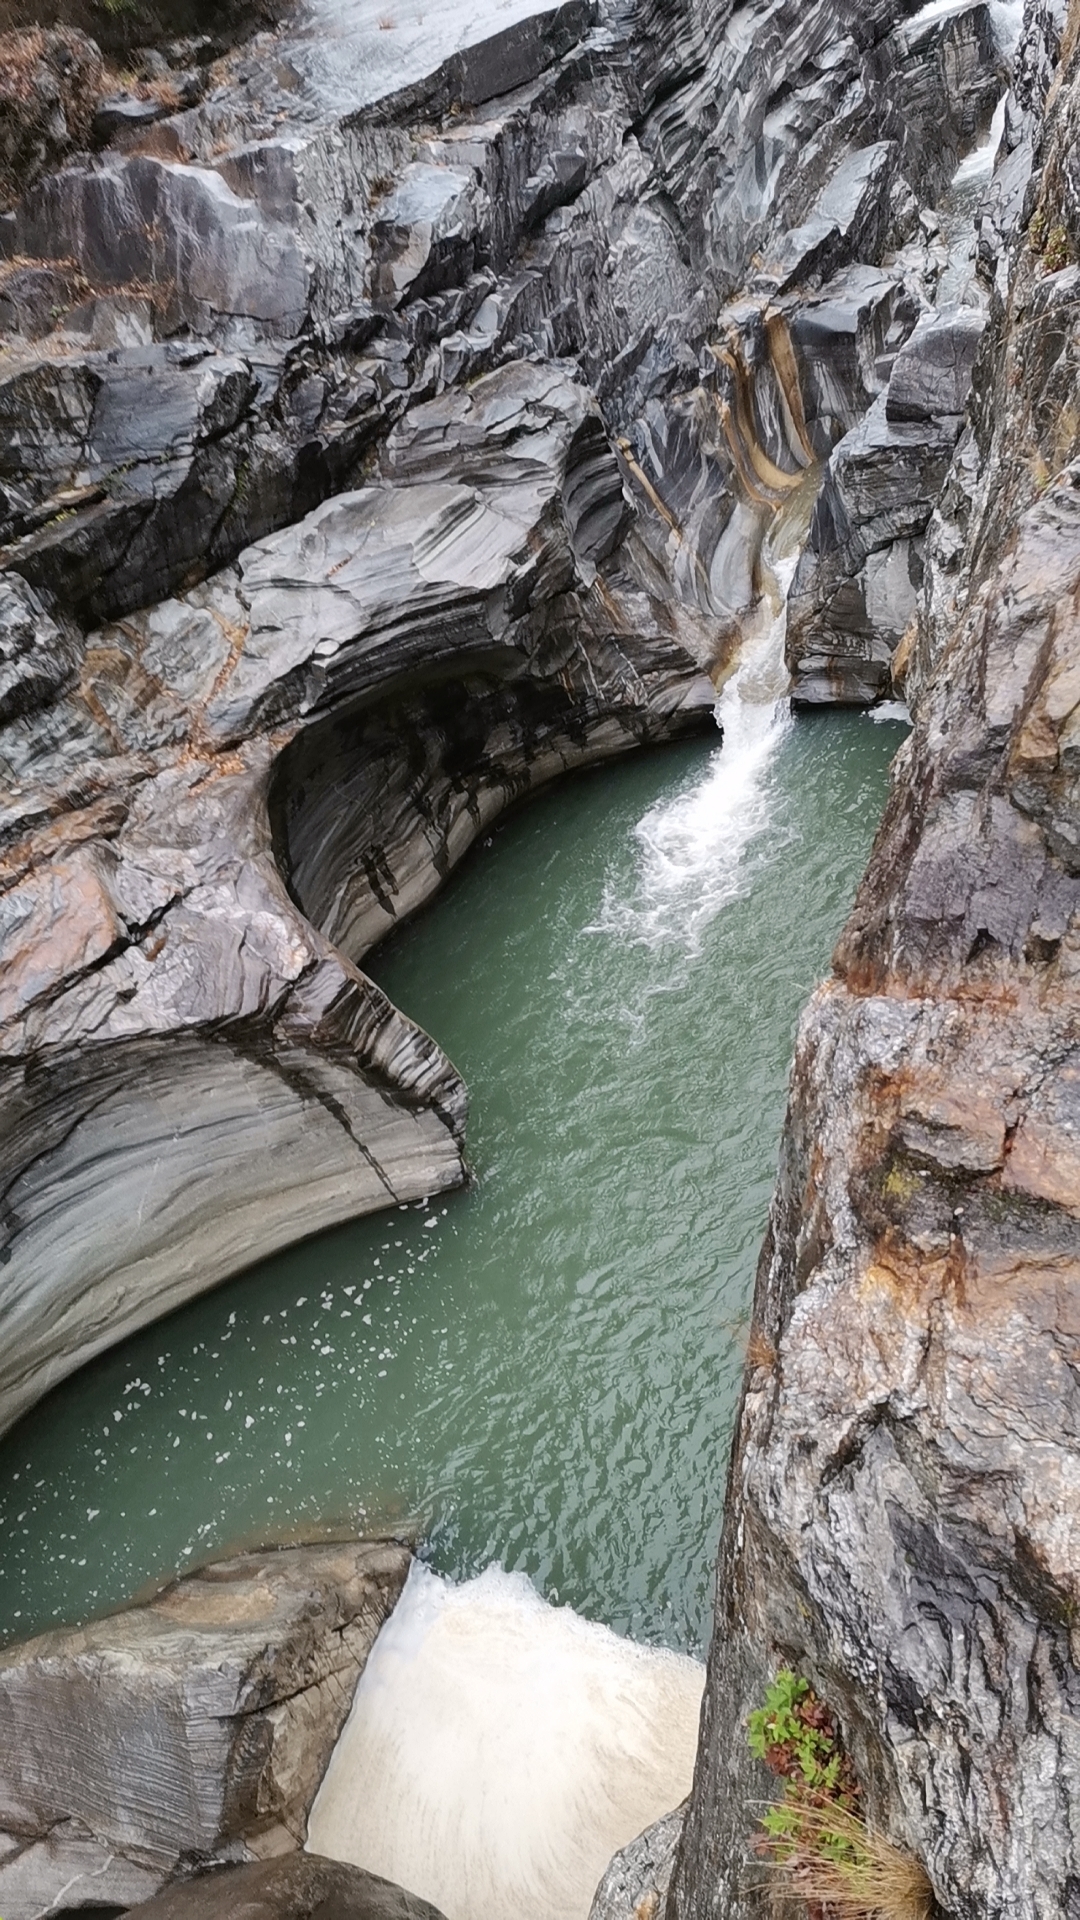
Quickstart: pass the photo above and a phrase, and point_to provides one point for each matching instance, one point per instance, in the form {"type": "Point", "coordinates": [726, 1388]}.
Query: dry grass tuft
{"type": "Point", "coordinates": [814, 1841]}
{"type": "Point", "coordinates": [760, 1351]}
{"type": "Point", "coordinates": [834, 1861]}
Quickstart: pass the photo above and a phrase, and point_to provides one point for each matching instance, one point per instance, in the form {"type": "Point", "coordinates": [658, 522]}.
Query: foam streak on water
{"type": "Point", "coordinates": [692, 849]}
{"type": "Point", "coordinates": [500, 1750]}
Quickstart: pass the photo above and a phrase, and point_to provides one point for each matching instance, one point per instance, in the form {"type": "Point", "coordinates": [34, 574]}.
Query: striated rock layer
{"type": "Point", "coordinates": [195, 1070]}
{"type": "Point", "coordinates": [904, 1500]}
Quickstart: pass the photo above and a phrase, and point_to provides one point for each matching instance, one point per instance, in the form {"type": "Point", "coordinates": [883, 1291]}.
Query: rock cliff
{"type": "Point", "coordinates": [903, 1514]}
{"type": "Point", "coordinates": [391, 413]}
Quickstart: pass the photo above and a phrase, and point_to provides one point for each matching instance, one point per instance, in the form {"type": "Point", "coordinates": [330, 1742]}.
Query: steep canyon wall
{"type": "Point", "coordinates": [902, 1508]}
{"type": "Point", "coordinates": [392, 411]}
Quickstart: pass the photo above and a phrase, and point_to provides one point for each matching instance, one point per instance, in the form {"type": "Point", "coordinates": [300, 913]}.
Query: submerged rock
{"type": "Point", "coordinates": [190, 1730]}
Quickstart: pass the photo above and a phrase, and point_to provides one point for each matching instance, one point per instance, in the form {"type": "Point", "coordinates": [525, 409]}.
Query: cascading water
{"type": "Point", "coordinates": [543, 1369]}
{"type": "Point", "coordinates": [691, 850]}
{"type": "Point", "coordinates": [500, 1750]}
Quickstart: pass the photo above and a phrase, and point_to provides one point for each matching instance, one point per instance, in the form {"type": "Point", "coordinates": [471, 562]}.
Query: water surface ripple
{"type": "Point", "coordinates": [543, 1368]}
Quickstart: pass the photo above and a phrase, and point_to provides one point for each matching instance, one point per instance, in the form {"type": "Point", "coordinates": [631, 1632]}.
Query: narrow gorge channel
{"type": "Point", "coordinates": [541, 1371]}
{"type": "Point", "coordinates": [539, 1239]}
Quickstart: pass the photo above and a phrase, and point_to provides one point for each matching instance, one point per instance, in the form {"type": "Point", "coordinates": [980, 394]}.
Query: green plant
{"type": "Point", "coordinates": [814, 1839]}
{"type": "Point", "coordinates": [1049, 239]}
{"type": "Point", "coordinates": [900, 1184]}
{"type": "Point", "coordinates": [795, 1734]}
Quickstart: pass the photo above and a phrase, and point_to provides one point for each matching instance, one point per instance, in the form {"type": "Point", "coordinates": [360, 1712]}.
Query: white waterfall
{"type": "Point", "coordinates": [691, 849]}
{"type": "Point", "coordinates": [500, 1750]}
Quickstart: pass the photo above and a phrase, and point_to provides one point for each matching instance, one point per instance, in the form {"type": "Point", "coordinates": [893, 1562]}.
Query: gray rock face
{"type": "Point", "coordinates": [194, 1065]}
{"type": "Point", "coordinates": [931, 377]}
{"type": "Point", "coordinates": [856, 587]}
{"type": "Point", "coordinates": [298, 1888]}
{"type": "Point", "coordinates": [36, 658]}
{"type": "Point", "coordinates": [636, 1883]}
{"type": "Point", "coordinates": [48, 84]}
{"type": "Point", "coordinates": [191, 1730]}
{"type": "Point", "coordinates": [903, 1506]}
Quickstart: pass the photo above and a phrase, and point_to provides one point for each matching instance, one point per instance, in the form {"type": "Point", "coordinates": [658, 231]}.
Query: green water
{"type": "Point", "coordinates": [543, 1368]}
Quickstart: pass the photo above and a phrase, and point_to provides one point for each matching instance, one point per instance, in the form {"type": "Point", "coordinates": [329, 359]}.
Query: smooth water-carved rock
{"type": "Point", "coordinates": [187, 1059]}
{"type": "Point", "coordinates": [379, 437]}
{"type": "Point", "coordinates": [858, 582]}
{"type": "Point", "coordinates": [193, 1729]}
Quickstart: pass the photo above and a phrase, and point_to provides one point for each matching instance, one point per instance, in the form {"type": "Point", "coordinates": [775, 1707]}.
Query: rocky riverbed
{"type": "Point", "coordinates": [392, 411]}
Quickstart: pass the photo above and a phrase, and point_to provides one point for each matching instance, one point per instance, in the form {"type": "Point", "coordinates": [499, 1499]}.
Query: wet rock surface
{"type": "Point", "coordinates": [155, 963]}
{"type": "Point", "coordinates": [192, 1730]}
{"type": "Point", "coordinates": [391, 414]}
{"type": "Point", "coordinates": [903, 1495]}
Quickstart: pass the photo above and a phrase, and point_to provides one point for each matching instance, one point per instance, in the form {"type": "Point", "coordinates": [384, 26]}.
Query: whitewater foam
{"type": "Point", "coordinates": [692, 850]}
{"type": "Point", "coordinates": [500, 1750]}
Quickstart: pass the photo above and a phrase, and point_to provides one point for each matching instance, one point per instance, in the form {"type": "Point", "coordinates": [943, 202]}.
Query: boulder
{"type": "Point", "coordinates": [139, 450]}
{"type": "Point", "coordinates": [635, 1885]}
{"type": "Point", "coordinates": [120, 113]}
{"type": "Point", "coordinates": [931, 377]}
{"type": "Point", "coordinates": [193, 1729]}
{"type": "Point", "coordinates": [303, 1887]}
